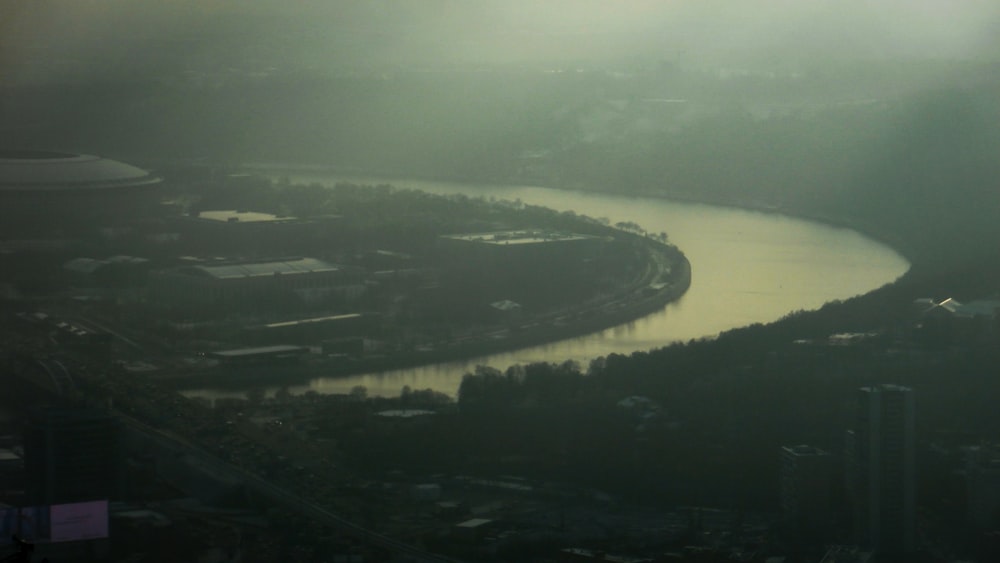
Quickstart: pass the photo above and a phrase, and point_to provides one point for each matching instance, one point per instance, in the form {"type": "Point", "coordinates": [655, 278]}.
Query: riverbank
{"type": "Point", "coordinates": [665, 278]}
{"type": "Point", "coordinates": [905, 248]}
{"type": "Point", "coordinates": [890, 239]}
{"type": "Point", "coordinates": [752, 268]}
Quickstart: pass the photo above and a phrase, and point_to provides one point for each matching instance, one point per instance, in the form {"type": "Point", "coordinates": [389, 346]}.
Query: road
{"type": "Point", "coordinates": [178, 445]}
{"type": "Point", "coordinates": [280, 495]}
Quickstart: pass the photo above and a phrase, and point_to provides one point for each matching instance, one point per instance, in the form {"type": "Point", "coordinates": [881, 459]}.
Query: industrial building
{"type": "Point", "coordinates": [312, 329]}
{"type": "Point", "coordinates": [237, 230]}
{"type": "Point", "coordinates": [520, 247]}
{"type": "Point", "coordinates": [280, 353]}
{"type": "Point", "coordinates": [115, 271]}
{"type": "Point", "coordinates": [267, 285]}
{"type": "Point", "coordinates": [241, 217]}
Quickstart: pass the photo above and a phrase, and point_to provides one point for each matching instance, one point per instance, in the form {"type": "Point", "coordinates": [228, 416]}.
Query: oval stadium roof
{"type": "Point", "coordinates": [43, 171]}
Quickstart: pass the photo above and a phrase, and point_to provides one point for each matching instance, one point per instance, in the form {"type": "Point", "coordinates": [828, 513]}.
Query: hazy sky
{"type": "Point", "coordinates": [696, 31]}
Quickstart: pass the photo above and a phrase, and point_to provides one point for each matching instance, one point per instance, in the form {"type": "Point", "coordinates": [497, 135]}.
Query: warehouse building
{"type": "Point", "coordinates": [269, 285]}
{"type": "Point", "coordinates": [520, 248]}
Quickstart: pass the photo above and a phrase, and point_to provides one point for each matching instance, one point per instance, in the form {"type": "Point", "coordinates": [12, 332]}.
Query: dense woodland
{"type": "Point", "coordinates": [717, 410]}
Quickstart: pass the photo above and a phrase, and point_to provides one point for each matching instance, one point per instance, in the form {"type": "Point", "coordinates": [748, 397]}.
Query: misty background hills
{"type": "Point", "coordinates": [785, 33]}
{"type": "Point", "coordinates": [879, 115]}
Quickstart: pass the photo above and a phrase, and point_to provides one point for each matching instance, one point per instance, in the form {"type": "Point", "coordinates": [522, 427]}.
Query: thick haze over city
{"type": "Point", "coordinates": [769, 34]}
{"type": "Point", "coordinates": [500, 280]}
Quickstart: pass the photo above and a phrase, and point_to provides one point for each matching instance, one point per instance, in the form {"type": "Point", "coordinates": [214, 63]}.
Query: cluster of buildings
{"type": "Point", "coordinates": [97, 230]}
{"type": "Point", "coordinates": [74, 456]}
{"type": "Point", "coordinates": [879, 476]}
{"type": "Point", "coordinates": [71, 460]}
{"type": "Point", "coordinates": [60, 213]}
{"type": "Point", "coordinates": [945, 322]}
{"type": "Point", "coordinates": [239, 285]}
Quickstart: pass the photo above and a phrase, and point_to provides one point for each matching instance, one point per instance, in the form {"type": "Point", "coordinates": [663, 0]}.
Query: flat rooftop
{"type": "Point", "coordinates": [313, 320]}
{"type": "Point", "coordinates": [804, 450]}
{"type": "Point", "coordinates": [291, 266]}
{"type": "Point", "coordinates": [886, 387]}
{"type": "Point", "coordinates": [404, 413]}
{"type": "Point", "coordinates": [261, 351]}
{"type": "Point", "coordinates": [235, 216]}
{"type": "Point", "coordinates": [522, 237]}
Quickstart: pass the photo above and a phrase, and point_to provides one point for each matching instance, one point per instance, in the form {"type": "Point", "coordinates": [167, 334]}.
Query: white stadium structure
{"type": "Point", "coordinates": [42, 191]}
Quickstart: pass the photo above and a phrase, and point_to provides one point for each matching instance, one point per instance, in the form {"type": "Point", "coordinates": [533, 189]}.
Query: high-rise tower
{"type": "Point", "coordinates": [881, 468]}
{"type": "Point", "coordinates": [807, 491]}
{"type": "Point", "coordinates": [72, 455]}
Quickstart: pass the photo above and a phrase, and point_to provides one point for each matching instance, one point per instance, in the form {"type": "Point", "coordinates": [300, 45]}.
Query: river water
{"type": "Point", "coordinates": [747, 267]}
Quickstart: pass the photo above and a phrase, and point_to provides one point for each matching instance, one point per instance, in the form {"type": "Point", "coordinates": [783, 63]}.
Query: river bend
{"type": "Point", "coordinates": [748, 267]}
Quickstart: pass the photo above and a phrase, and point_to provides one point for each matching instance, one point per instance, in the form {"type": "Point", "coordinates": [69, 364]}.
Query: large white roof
{"type": "Point", "coordinates": [43, 171]}
{"type": "Point", "coordinates": [263, 269]}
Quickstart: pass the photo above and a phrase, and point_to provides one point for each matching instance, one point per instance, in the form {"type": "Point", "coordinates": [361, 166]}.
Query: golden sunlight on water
{"type": "Point", "coordinates": [747, 267]}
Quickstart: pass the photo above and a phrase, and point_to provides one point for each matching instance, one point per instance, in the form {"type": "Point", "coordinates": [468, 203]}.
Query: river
{"type": "Point", "coordinates": [747, 267]}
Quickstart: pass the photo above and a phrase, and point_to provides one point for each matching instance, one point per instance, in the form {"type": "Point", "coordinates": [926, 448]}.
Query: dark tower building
{"type": "Point", "coordinates": [72, 455]}
{"type": "Point", "coordinates": [807, 491]}
{"type": "Point", "coordinates": [881, 469]}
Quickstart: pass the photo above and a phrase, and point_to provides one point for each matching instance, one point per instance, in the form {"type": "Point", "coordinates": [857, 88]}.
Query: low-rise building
{"type": "Point", "coordinates": [264, 354]}
{"type": "Point", "coordinates": [222, 231]}
{"type": "Point", "coordinates": [520, 247]}
{"type": "Point", "coordinates": [571, 554]}
{"type": "Point", "coordinates": [113, 272]}
{"type": "Point", "coordinates": [471, 531]}
{"type": "Point", "coordinates": [312, 329]}
{"type": "Point", "coordinates": [256, 285]}
{"type": "Point", "coordinates": [949, 320]}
